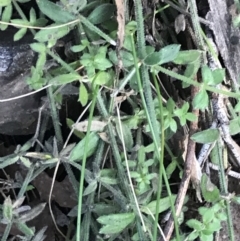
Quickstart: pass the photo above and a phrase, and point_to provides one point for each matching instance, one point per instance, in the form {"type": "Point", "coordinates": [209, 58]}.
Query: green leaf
{"type": "Point", "coordinates": [207, 75]}
{"type": "Point", "coordinates": [206, 136]}
{"type": "Point", "coordinates": [209, 191]}
{"type": "Point", "coordinates": [127, 135]}
{"type": "Point", "coordinates": [109, 180]}
{"type": "Point", "coordinates": [9, 161]}
{"type": "Point", "coordinates": [19, 34]}
{"type": "Point", "coordinates": [101, 13]}
{"type": "Point", "coordinates": [171, 168]}
{"type": "Point", "coordinates": [218, 76]}
{"type": "Point", "coordinates": [195, 224]}
{"type": "Point", "coordinates": [237, 107]}
{"type": "Point", "coordinates": [164, 204]}
{"type": "Point", "coordinates": [152, 59]}
{"type": "Point", "coordinates": [6, 16]}
{"type": "Point", "coordinates": [29, 232]}
{"type": "Point", "coordinates": [83, 95]}
{"type": "Point", "coordinates": [79, 134]}
{"type": "Point", "coordinates": [214, 226]}
{"type": "Point", "coordinates": [169, 53]}
{"type": "Point", "coordinates": [78, 48]}
{"type": "Point", "coordinates": [78, 151]}
{"type": "Point", "coordinates": [191, 117]}
{"type": "Point", "coordinates": [134, 175]}
{"type": "Point", "coordinates": [92, 186]}
{"type": "Point", "coordinates": [102, 78]}
{"type": "Point", "coordinates": [55, 12]}
{"type": "Point", "coordinates": [33, 16]}
{"type": "Point", "coordinates": [188, 57]}
{"type": "Point", "coordinates": [41, 61]}
{"type": "Point", "coordinates": [207, 216]}
{"type": "Point", "coordinates": [115, 223]}
{"type": "Point", "coordinates": [165, 55]}
{"type": "Point", "coordinates": [38, 47]}
{"type": "Point", "coordinates": [4, 3]}
{"type": "Point", "coordinates": [64, 79]}
{"type": "Point", "coordinates": [101, 63]}
{"type": "Point", "coordinates": [104, 209]}
{"type": "Point", "coordinates": [200, 101]}
{"type": "Point", "coordinates": [192, 236]}
{"type": "Point", "coordinates": [8, 209]}
{"type": "Point", "coordinates": [234, 126]}
{"type": "Point", "coordinates": [126, 57]}
{"type": "Point", "coordinates": [204, 237]}
{"type": "Point", "coordinates": [51, 35]}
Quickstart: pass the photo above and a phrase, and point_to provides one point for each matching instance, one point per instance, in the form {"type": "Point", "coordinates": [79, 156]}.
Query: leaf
{"type": "Point", "coordinates": [218, 76]}
{"type": "Point", "coordinates": [54, 12]}
{"type": "Point", "coordinates": [4, 3]}
{"type": "Point", "coordinates": [115, 223]}
{"type": "Point", "coordinates": [102, 78]}
{"type": "Point", "coordinates": [206, 136]}
{"type": "Point", "coordinates": [19, 34]}
{"type": "Point", "coordinates": [164, 204]}
{"type": "Point", "coordinates": [64, 79]}
{"type": "Point", "coordinates": [78, 151]}
{"type": "Point", "coordinates": [165, 55]}
{"type": "Point", "coordinates": [234, 126]}
{"type": "Point", "coordinates": [34, 212]}
{"type": "Point", "coordinates": [152, 59]}
{"type": "Point", "coordinates": [95, 126]}
{"type": "Point", "coordinates": [6, 16]}
{"type": "Point", "coordinates": [121, 22]}
{"type": "Point", "coordinates": [187, 57]}
{"type": "Point", "coordinates": [101, 63]}
{"type": "Point", "coordinates": [38, 47]}
{"type": "Point", "coordinates": [104, 209]}
{"type": "Point", "coordinates": [9, 161]}
{"type": "Point", "coordinates": [127, 135]}
{"type": "Point", "coordinates": [29, 232]}
{"type": "Point", "coordinates": [169, 53]}
{"type": "Point", "coordinates": [126, 57]}
{"type": "Point", "coordinates": [195, 224]}
{"type": "Point", "coordinates": [92, 186]}
{"type": "Point", "coordinates": [83, 95]}
{"type": "Point", "coordinates": [101, 13]}
{"type": "Point", "coordinates": [200, 101]}
{"type": "Point", "coordinates": [209, 191]}
{"type": "Point", "coordinates": [78, 48]}
{"type": "Point", "coordinates": [192, 236]}
{"type": "Point", "coordinates": [70, 123]}
{"type": "Point", "coordinates": [32, 16]}
{"type": "Point", "coordinates": [51, 35]}
{"type": "Point", "coordinates": [40, 235]}
{"type": "Point", "coordinates": [8, 209]}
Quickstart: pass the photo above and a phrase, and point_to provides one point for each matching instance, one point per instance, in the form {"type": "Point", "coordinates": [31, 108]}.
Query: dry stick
{"type": "Point", "coordinates": [219, 109]}
{"type": "Point", "coordinates": [187, 172]}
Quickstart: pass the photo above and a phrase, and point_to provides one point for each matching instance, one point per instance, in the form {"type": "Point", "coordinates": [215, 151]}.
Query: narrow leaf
{"type": "Point", "coordinates": [64, 79]}
{"type": "Point", "coordinates": [78, 151]}
{"type": "Point", "coordinates": [115, 223]}
{"type": "Point", "coordinates": [206, 136]}
{"type": "Point", "coordinates": [54, 12]}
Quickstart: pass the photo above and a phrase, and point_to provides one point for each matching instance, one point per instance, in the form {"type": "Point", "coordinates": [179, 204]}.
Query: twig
{"type": "Point", "coordinates": [201, 20]}
{"type": "Point", "coordinates": [186, 174]}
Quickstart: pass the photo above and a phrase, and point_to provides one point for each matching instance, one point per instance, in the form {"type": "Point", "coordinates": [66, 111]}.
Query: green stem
{"type": "Point", "coordinates": [80, 196]}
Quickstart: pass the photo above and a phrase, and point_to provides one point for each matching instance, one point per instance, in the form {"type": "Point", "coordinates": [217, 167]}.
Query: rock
{"type": "Point", "coordinates": [17, 117]}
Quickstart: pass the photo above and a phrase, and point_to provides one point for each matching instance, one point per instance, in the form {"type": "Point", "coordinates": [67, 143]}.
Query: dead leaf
{"type": "Point", "coordinates": [104, 137]}
{"type": "Point", "coordinates": [121, 29]}
{"type": "Point", "coordinates": [95, 126]}
{"type": "Point", "coordinates": [121, 22]}
{"type": "Point", "coordinates": [180, 23]}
